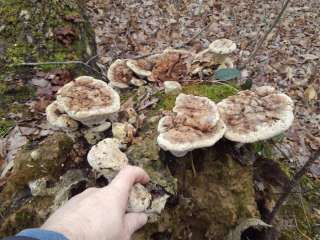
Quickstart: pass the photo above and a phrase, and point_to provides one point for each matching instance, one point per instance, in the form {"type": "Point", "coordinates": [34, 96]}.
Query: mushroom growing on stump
{"type": "Point", "coordinates": [59, 119]}
{"type": "Point", "coordinates": [172, 65]}
{"type": "Point", "coordinates": [252, 116]}
{"type": "Point", "coordinates": [119, 74]}
{"type": "Point", "coordinates": [195, 124]}
{"type": "Point", "coordinates": [107, 159]}
{"type": "Point", "coordinates": [88, 100]}
{"type": "Point", "coordinates": [221, 49]}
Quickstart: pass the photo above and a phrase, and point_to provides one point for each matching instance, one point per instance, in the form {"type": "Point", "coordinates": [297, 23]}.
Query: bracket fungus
{"type": "Point", "coordinates": [107, 158]}
{"type": "Point", "coordinates": [252, 116]}
{"type": "Point", "coordinates": [222, 48]}
{"type": "Point", "coordinates": [88, 100]}
{"type": "Point", "coordinates": [59, 119]}
{"type": "Point", "coordinates": [195, 124]}
{"type": "Point", "coordinates": [172, 65]}
{"type": "Point", "coordinates": [143, 67]}
{"type": "Point", "coordinates": [119, 74]}
{"type": "Point", "coordinates": [171, 87]}
{"type": "Point", "coordinates": [139, 199]}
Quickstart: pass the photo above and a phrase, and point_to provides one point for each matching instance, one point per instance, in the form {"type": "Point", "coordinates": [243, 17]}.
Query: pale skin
{"type": "Point", "coordinates": [100, 213]}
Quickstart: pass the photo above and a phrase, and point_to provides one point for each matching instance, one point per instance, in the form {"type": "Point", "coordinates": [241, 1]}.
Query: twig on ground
{"type": "Point", "coordinates": [91, 59]}
{"type": "Point", "coordinates": [298, 229]}
{"type": "Point", "coordinates": [180, 45]}
{"type": "Point", "coordinates": [195, 36]}
{"type": "Point", "coordinates": [303, 208]}
{"type": "Point", "coordinates": [288, 189]}
{"type": "Point", "coordinates": [85, 64]}
{"type": "Point", "coordinates": [145, 55]}
{"type": "Point", "coordinates": [266, 34]}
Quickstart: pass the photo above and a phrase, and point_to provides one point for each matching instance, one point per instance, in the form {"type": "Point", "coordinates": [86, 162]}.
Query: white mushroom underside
{"type": "Point", "coordinates": [184, 145]}
{"type": "Point", "coordinates": [106, 157]}
{"type": "Point", "coordinates": [139, 199]}
{"type": "Point", "coordinates": [133, 65]}
{"type": "Point", "coordinates": [119, 74]}
{"type": "Point", "coordinates": [58, 119]}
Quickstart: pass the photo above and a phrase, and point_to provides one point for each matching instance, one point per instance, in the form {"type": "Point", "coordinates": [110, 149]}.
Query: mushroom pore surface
{"type": "Point", "coordinates": [84, 95]}
{"type": "Point", "coordinates": [263, 113]}
{"type": "Point", "coordinates": [197, 112]}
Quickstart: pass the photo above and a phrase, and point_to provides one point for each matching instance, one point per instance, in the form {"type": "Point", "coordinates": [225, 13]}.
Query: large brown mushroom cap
{"type": "Point", "coordinates": [173, 65]}
{"type": "Point", "coordinates": [195, 111]}
{"type": "Point", "coordinates": [195, 125]}
{"type": "Point", "coordinates": [119, 74]}
{"type": "Point", "coordinates": [252, 116]}
{"type": "Point", "coordinates": [88, 100]}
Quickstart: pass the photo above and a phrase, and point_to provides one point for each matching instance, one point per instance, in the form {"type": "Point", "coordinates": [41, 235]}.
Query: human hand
{"type": "Point", "coordinates": [100, 213]}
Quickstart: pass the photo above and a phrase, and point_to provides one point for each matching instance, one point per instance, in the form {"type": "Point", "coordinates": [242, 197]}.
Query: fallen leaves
{"type": "Point", "coordinates": [310, 94]}
{"type": "Point", "coordinates": [66, 35]}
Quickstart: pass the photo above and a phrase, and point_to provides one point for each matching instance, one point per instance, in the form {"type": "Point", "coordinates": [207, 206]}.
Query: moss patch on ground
{"type": "Point", "coordinates": [5, 126]}
{"type": "Point", "coordinates": [47, 161]}
{"type": "Point", "coordinates": [30, 215]}
{"type": "Point", "coordinates": [38, 31]}
{"type": "Point", "coordinates": [215, 92]}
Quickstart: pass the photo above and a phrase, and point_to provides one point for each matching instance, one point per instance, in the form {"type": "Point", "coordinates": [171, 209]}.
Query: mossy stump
{"type": "Point", "coordinates": [46, 160]}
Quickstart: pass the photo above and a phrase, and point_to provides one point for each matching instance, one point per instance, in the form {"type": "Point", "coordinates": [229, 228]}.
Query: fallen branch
{"type": "Point", "coordinates": [266, 34]}
{"type": "Point", "coordinates": [288, 189]}
{"type": "Point", "coordinates": [85, 64]}
{"type": "Point", "coordinates": [196, 35]}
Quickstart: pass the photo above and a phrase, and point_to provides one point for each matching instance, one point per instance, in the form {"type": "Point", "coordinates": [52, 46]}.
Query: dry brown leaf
{"type": "Point", "coordinates": [310, 93]}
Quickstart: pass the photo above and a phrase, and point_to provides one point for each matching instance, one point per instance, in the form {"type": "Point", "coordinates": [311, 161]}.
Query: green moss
{"type": "Point", "coordinates": [29, 32]}
{"type": "Point", "coordinates": [14, 93]}
{"type": "Point", "coordinates": [26, 217]}
{"type": "Point", "coordinates": [52, 152]}
{"type": "Point", "coordinates": [215, 92]}
{"type": "Point", "coordinates": [5, 126]}
{"type": "Point", "coordinates": [262, 148]}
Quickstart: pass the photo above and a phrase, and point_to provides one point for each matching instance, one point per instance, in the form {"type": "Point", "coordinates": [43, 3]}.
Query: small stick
{"type": "Point", "coordinates": [195, 36]}
{"type": "Point", "coordinates": [265, 36]}
{"type": "Point", "coordinates": [288, 189]}
{"type": "Point", "coordinates": [33, 64]}
{"type": "Point", "coordinates": [192, 165]}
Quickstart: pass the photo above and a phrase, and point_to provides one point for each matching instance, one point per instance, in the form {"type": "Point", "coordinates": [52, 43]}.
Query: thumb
{"type": "Point", "coordinates": [134, 221]}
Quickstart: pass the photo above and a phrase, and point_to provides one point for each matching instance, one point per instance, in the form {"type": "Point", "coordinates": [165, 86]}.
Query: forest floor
{"type": "Point", "coordinates": [289, 59]}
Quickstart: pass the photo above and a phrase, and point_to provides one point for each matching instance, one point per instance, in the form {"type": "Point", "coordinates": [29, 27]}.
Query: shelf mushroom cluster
{"type": "Point", "coordinates": [217, 54]}
{"type": "Point", "coordinates": [249, 116]}
{"type": "Point", "coordinates": [170, 65]}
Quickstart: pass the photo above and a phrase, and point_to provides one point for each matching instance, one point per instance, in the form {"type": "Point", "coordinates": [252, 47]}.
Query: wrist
{"type": "Point", "coordinates": [38, 233]}
{"type": "Point", "coordinates": [58, 228]}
